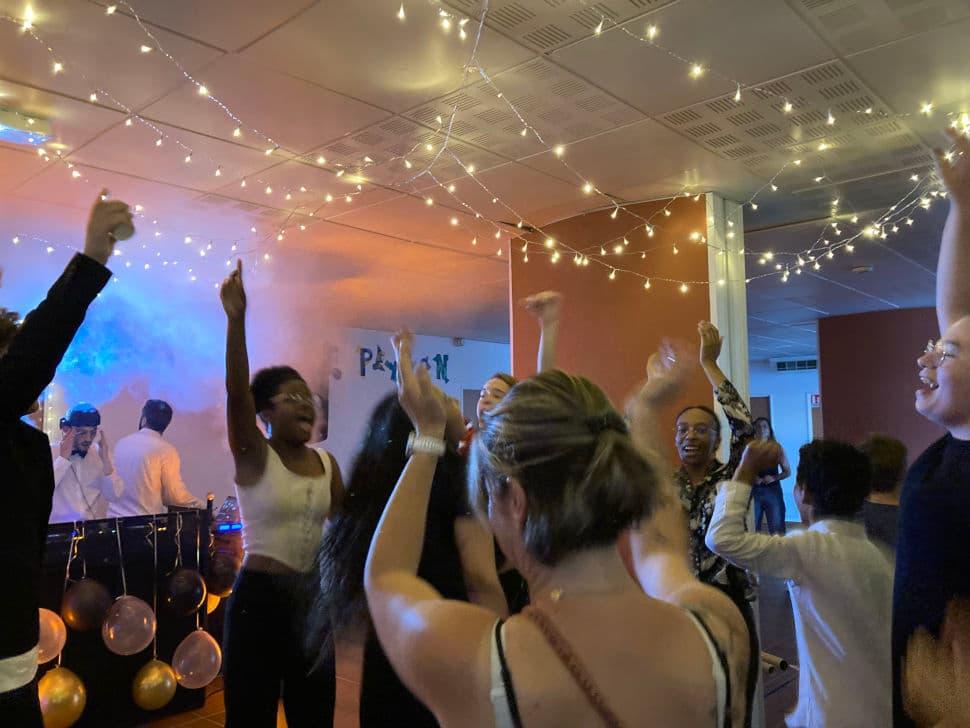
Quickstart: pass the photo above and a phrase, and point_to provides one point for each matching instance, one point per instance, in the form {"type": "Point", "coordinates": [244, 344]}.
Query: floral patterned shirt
{"type": "Point", "coordinates": [698, 500]}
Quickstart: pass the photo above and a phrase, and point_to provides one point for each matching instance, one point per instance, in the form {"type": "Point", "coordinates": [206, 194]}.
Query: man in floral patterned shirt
{"type": "Point", "coordinates": [698, 437]}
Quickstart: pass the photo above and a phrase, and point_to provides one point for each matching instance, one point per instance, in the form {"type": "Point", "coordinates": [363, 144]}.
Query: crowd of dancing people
{"type": "Point", "coordinates": [546, 564]}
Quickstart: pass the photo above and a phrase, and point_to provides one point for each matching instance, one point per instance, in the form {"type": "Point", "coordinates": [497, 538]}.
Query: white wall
{"type": "Point", "coordinates": [791, 415]}
{"type": "Point", "coordinates": [353, 396]}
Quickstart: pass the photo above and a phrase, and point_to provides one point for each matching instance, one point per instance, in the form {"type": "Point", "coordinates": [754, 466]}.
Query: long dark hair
{"type": "Point", "coordinates": [340, 602]}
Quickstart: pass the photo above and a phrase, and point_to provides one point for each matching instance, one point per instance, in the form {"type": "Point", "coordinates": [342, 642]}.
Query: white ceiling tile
{"type": "Point", "coordinates": [417, 61]}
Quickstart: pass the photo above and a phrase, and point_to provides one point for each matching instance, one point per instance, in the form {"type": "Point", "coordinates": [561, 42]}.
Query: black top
{"type": "Point", "coordinates": [882, 522]}
{"type": "Point", "coordinates": [384, 700]}
{"type": "Point", "coordinates": [931, 554]}
{"type": "Point", "coordinates": [25, 455]}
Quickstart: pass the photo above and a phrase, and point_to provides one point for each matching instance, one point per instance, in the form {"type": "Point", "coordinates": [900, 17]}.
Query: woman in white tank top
{"type": "Point", "coordinates": [286, 490]}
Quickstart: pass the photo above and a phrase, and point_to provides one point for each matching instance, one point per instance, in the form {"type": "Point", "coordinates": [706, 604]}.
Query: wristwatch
{"type": "Point", "coordinates": [426, 444]}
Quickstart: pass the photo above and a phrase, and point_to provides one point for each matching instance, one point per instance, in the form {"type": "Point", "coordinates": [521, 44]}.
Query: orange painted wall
{"type": "Point", "coordinates": [868, 375]}
{"type": "Point", "coordinates": [609, 328]}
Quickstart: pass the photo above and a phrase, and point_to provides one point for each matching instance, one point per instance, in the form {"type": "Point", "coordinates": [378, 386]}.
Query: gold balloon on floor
{"type": "Point", "coordinates": [154, 685]}
{"type": "Point", "coordinates": [62, 698]}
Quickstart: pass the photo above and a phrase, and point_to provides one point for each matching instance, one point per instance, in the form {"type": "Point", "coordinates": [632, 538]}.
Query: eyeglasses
{"type": "Point", "coordinates": [699, 430]}
{"type": "Point", "coordinates": [293, 398]}
{"type": "Point", "coordinates": [937, 353]}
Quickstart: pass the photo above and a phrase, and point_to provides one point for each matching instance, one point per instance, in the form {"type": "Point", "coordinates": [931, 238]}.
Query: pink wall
{"type": "Point", "coordinates": [868, 375]}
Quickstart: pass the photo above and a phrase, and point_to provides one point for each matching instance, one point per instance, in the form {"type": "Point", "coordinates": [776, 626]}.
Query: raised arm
{"type": "Point", "coordinates": [737, 412]}
{"type": "Point", "coordinates": [546, 307]}
{"type": "Point", "coordinates": [438, 647]}
{"type": "Point", "coordinates": [30, 361]}
{"type": "Point", "coordinates": [727, 535]}
{"type": "Point", "coordinates": [953, 270]}
{"type": "Point", "coordinates": [245, 439]}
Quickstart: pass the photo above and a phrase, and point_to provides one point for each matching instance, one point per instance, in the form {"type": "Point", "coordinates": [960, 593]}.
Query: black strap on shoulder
{"type": "Point", "coordinates": [507, 677]}
{"type": "Point", "coordinates": [722, 658]}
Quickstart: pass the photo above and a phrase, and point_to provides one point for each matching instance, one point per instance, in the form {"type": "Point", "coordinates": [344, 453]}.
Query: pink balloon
{"type": "Point", "coordinates": [129, 626]}
{"type": "Point", "coordinates": [53, 635]}
{"type": "Point", "coordinates": [197, 660]}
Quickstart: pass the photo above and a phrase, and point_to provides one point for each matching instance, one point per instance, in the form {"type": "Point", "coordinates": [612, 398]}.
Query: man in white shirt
{"type": "Point", "coordinates": [840, 583]}
{"type": "Point", "coordinates": [150, 467]}
{"type": "Point", "coordinates": [85, 480]}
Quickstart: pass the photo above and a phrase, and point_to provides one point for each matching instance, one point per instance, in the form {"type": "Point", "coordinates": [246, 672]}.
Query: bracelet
{"type": "Point", "coordinates": [424, 444]}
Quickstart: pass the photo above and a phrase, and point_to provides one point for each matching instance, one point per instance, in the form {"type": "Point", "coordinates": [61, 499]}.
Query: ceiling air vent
{"type": "Point", "coordinates": [795, 365]}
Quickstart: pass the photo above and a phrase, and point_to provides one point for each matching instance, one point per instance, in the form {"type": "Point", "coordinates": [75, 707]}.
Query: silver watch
{"type": "Point", "coordinates": [426, 444]}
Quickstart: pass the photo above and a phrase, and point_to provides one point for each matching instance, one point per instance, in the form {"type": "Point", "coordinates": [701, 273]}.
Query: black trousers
{"type": "Point", "coordinates": [736, 590]}
{"type": "Point", "coordinates": [265, 656]}
{"type": "Point", "coordinates": [21, 707]}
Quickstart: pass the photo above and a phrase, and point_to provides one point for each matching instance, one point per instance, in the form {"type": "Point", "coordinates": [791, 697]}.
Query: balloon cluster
{"type": "Point", "coordinates": [128, 626]}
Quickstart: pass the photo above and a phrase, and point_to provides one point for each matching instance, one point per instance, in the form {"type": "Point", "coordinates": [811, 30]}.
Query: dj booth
{"type": "Point", "coordinates": [121, 555]}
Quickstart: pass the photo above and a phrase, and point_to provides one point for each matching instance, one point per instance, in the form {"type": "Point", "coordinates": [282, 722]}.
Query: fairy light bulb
{"type": "Point", "coordinates": [203, 91]}
{"type": "Point", "coordinates": [407, 164]}
{"type": "Point", "coordinates": [559, 150]}
{"type": "Point", "coordinates": [498, 234]}
{"type": "Point", "coordinates": [75, 174]}
{"type": "Point", "coordinates": [329, 197]}
{"type": "Point", "coordinates": [454, 221]}
{"type": "Point", "coordinates": [652, 31]}
{"type": "Point", "coordinates": [754, 206]}
{"type": "Point", "coordinates": [769, 255]}
{"type": "Point", "coordinates": [926, 108]}
{"type": "Point", "coordinates": [555, 257]}
{"type": "Point", "coordinates": [428, 201]}
{"type": "Point", "coordinates": [401, 14]}
{"type": "Point", "coordinates": [602, 250]}
{"type": "Point", "coordinates": [93, 98]}
{"type": "Point", "coordinates": [16, 240]}
{"type": "Point", "coordinates": [909, 221]}
{"type": "Point", "coordinates": [237, 132]}
{"type": "Point", "coordinates": [451, 188]}
{"type": "Point", "coordinates": [475, 241]}
{"type": "Point", "coordinates": [128, 121]}
{"type": "Point", "coordinates": [650, 232]}
{"type": "Point", "coordinates": [676, 250]}
{"type": "Point", "coordinates": [855, 219]}
{"type": "Point", "coordinates": [110, 10]}
{"type": "Point", "coordinates": [613, 274]}
{"type": "Point", "coordinates": [614, 213]}
{"type": "Point", "coordinates": [850, 248]}
{"type": "Point", "coordinates": [824, 146]}
{"type": "Point", "coordinates": [684, 288]}
{"type": "Point", "coordinates": [625, 242]}
{"type": "Point", "coordinates": [348, 199]}
{"type": "Point", "coordinates": [646, 285]}
{"type": "Point", "coordinates": [599, 28]}
{"type": "Point", "coordinates": [797, 162]}
{"type": "Point", "coordinates": [830, 119]}
{"type": "Point", "coordinates": [667, 212]}
{"type": "Point", "coordinates": [58, 67]}
{"type": "Point", "coordinates": [617, 249]}
{"type": "Point", "coordinates": [762, 260]}
{"type": "Point", "coordinates": [550, 243]}
{"type": "Point", "coordinates": [268, 190]}
{"type": "Point", "coordinates": [788, 106]}
{"type": "Point", "coordinates": [524, 132]}
{"type": "Point", "coordinates": [696, 70]}
{"type": "Point", "coordinates": [588, 188]}
{"type": "Point", "coordinates": [145, 49]}
{"type": "Point", "coordinates": [218, 172]}
{"type": "Point", "coordinates": [737, 95]}
{"type": "Point", "coordinates": [643, 255]}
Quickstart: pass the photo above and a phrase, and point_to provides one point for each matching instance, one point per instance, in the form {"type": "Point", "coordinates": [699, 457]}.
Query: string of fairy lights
{"type": "Point", "coordinates": [552, 247]}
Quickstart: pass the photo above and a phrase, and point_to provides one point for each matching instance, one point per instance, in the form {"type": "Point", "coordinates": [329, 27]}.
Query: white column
{"type": "Point", "coordinates": [729, 312]}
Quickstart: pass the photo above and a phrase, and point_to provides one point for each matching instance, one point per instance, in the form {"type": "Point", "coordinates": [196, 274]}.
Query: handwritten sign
{"type": "Point", "coordinates": [374, 360]}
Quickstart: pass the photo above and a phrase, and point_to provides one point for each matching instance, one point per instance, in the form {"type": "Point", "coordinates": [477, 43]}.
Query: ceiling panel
{"type": "Point", "coordinates": [852, 25]}
{"type": "Point", "coordinates": [718, 34]}
{"type": "Point", "coordinates": [96, 50]}
{"type": "Point", "coordinates": [296, 114]}
{"type": "Point", "coordinates": [545, 25]}
{"type": "Point", "coordinates": [224, 24]}
{"type": "Point", "coordinates": [417, 61]}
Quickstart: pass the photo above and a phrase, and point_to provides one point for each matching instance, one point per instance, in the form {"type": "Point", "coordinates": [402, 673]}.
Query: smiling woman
{"type": "Point", "coordinates": [286, 490]}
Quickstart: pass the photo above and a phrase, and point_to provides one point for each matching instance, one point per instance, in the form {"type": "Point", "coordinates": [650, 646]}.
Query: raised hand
{"type": "Point", "coordinates": [667, 372]}
{"type": "Point", "coordinates": [758, 456]}
{"type": "Point", "coordinates": [545, 306]}
{"type": "Point", "coordinates": [711, 342]}
{"type": "Point", "coordinates": [423, 402]}
{"type": "Point", "coordinates": [956, 172]}
{"type": "Point", "coordinates": [67, 442]}
{"type": "Point", "coordinates": [233, 294]}
{"type": "Point", "coordinates": [106, 215]}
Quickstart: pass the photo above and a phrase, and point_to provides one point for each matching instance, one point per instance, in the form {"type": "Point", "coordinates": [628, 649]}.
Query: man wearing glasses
{"type": "Point", "coordinates": [85, 480]}
{"type": "Point", "coordinates": [934, 527]}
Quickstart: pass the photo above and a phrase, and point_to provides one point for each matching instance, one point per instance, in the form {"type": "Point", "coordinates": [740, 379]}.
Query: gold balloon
{"type": "Point", "coordinates": [154, 686]}
{"type": "Point", "coordinates": [212, 603]}
{"type": "Point", "coordinates": [62, 698]}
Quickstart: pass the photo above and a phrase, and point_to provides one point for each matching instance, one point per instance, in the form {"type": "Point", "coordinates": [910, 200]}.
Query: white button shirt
{"type": "Point", "coordinates": [151, 470]}
{"type": "Point", "coordinates": [81, 489]}
{"type": "Point", "coordinates": [841, 588]}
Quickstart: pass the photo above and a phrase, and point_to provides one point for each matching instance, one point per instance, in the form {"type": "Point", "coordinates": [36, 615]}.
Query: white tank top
{"type": "Point", "coordinates": [283, 513]}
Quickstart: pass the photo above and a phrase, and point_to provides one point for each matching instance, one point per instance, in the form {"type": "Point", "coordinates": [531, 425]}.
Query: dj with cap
{"type": "Point", "coordinates": [85, 480]}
